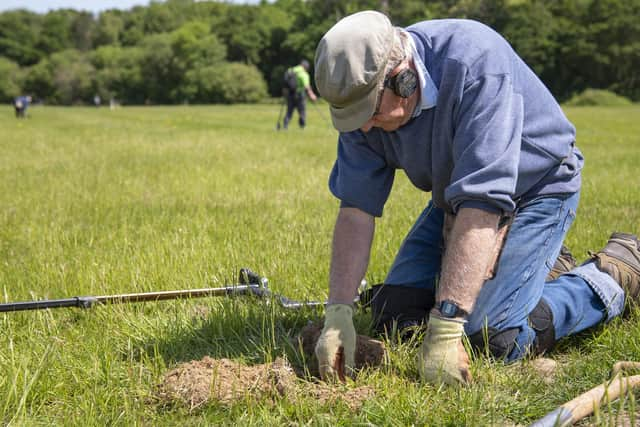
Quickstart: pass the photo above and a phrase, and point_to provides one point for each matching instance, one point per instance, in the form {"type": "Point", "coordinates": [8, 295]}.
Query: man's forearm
{"type": "Point", "coordinates": [468, 253]}
{"type": "Point", "coordinates": [352, 237]}
{"type": "Point", "coordinates": [310, 93]}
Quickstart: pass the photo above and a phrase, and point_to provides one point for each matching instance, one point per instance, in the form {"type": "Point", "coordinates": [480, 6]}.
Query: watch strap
{"type": "Point", "coordinates": [449, 309]}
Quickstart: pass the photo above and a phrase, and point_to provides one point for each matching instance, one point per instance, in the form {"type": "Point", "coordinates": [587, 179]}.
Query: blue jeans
{"type": "Point", "coordinates": [578, 300]}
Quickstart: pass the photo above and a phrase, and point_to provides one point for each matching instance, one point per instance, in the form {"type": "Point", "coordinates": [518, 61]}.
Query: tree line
{"type": "Point", "coordinates": [188, 51]}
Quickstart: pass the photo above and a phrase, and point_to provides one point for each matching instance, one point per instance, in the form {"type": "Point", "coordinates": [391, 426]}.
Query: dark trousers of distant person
{"type": "Point", "coordinates": [20, 111]}
{"type": "Point", "coordinates": [296, 101]}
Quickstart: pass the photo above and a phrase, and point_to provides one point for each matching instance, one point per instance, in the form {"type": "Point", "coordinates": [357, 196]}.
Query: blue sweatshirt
{"type": "Point", "coordinates": [495, 136]}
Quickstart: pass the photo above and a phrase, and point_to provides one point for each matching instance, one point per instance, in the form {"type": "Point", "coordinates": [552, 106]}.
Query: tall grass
{"type": "Point", "coordinates": [96, 202]}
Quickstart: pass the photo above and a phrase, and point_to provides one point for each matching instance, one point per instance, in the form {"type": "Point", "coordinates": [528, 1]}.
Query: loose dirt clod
{"type": "Point", "coordinates": [369, 352]}
{"type": "Point", "coordinates": [546, 368]}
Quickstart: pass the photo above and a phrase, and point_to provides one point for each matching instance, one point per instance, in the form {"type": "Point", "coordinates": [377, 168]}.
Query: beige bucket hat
{"type": "Point", "coordinates": [350, 62]}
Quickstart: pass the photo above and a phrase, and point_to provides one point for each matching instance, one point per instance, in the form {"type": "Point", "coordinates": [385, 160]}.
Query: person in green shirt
{"type": "Point", "coordinates": [297, 91]}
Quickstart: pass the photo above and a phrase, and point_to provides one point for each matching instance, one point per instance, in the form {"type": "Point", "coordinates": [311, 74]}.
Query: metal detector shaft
{"type": "Point", "coordinates": [324, 117]}
{"type": "Point", "coordinates": [249, 277]}
{"type": "Point", "coordinates": [250, 283]}
{"type": "Point", "coordinates": [89, 301]}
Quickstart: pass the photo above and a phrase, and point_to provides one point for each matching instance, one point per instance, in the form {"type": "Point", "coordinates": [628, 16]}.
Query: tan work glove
{"type": "Point", "coordinates": [336, 347]}
{"type": "Point", "coordinates": [442, 358]}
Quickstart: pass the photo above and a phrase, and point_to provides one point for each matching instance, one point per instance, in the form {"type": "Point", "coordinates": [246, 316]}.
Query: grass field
{"type": "Point", "coordinates": [96, 202]}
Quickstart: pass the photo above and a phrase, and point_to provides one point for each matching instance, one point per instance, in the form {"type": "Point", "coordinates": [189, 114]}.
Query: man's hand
{"type": "Point", "coordinates": [442, 358]}
{"type": "Point", "coordinates": [311, 94]}
{"type": "Point", "coordinates": [336, 346]}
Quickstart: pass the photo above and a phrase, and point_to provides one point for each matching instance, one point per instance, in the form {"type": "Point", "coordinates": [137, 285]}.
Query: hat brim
{"type": "Point", "coordinates": [356, 114]}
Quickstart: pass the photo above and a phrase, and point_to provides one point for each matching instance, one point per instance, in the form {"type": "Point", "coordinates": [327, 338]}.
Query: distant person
{"type": "Point", "coordinates": [297, 87]}
{"type": "Point", "coordinates": [20, 104]}
{"type": "Point", "coordinates": [97, 100]}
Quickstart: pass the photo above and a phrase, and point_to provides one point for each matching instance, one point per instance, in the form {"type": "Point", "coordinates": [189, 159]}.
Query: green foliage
{"type": "Point", "coordinates": [571, 44]}
{"type": "Point", "coordinates": [169, 59]}
{"type": "Point", "coordinates": [261, 41]}
{"type": "Point", "coordinates": [159, 19]}
{"type": "Point", "coordinates": [407, 12]}
{"type": "Point", "coordinates": [108, 29]}
{"type": "Point", "coordinates": [241, 83]}
{"type": "Point", "coordinates": [18, 37]}
{"type": "Point", "coordinates": [156, 65]}
{"type": "Point", "coordinates": [226, 83]}
{"type": "Point", "coordinates": [38, 79]}
{"type": "Point", "coordinates": [55, 35]}
{"type": "Point", "coordinates": [494, 13]}
{"type": "Point", "coordinates": [118, 73]}
{"type": "Point", "coordinates": [583, 43]}
{"type": "Point", "coordinates": [72, 76]}
{"type": "Point", "coordinates": [530, 28]}
{"type": "Point", "coordinates": [598, 97]}
{"type": "Point", "coordinates": [9, 80]}
{"type": "Point", "coordinates": [615, 32]}
{"type": "Point", "coordinates": [194, 47]}
{"type": "Point", "coordinates": [83, 29]}
{"type": "Point", "coordinates": [66, 77]}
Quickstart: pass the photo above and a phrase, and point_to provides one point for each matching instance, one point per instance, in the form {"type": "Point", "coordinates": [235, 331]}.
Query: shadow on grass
{"type": "Point", "coordinates": [241, 328]}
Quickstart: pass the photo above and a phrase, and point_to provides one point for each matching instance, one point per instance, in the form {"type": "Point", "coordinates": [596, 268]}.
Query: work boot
{"type": "Point", "coordinates": [564, 263]}
{"type": "Point", "coordinates": [620, 259]}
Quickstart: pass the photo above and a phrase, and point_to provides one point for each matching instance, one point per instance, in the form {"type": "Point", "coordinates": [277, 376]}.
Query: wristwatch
{"type": "Point", "coordinates": [450, 309]}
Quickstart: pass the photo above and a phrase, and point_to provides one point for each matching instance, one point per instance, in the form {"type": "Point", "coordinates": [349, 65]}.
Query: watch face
{"type": "Point", "coordinates": [448, 309]}
{"type": "Point", "coordinates": [404, 83]}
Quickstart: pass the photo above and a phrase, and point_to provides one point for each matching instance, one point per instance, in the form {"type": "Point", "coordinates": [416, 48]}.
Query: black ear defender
{"type": "Point", "coordinates": [403, 84]}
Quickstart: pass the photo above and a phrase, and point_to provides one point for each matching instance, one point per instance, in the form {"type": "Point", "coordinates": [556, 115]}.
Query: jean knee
{"type": "Point", "coordinates": [507, 343]}
{"type": "Point", "coordinates": [499, 344]}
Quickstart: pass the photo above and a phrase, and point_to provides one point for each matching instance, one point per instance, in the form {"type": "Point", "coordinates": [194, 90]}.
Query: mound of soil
{"type": "Point", "coordinates": [225, 381]}
{"type": "Point", "coordinates": [199, 382]}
